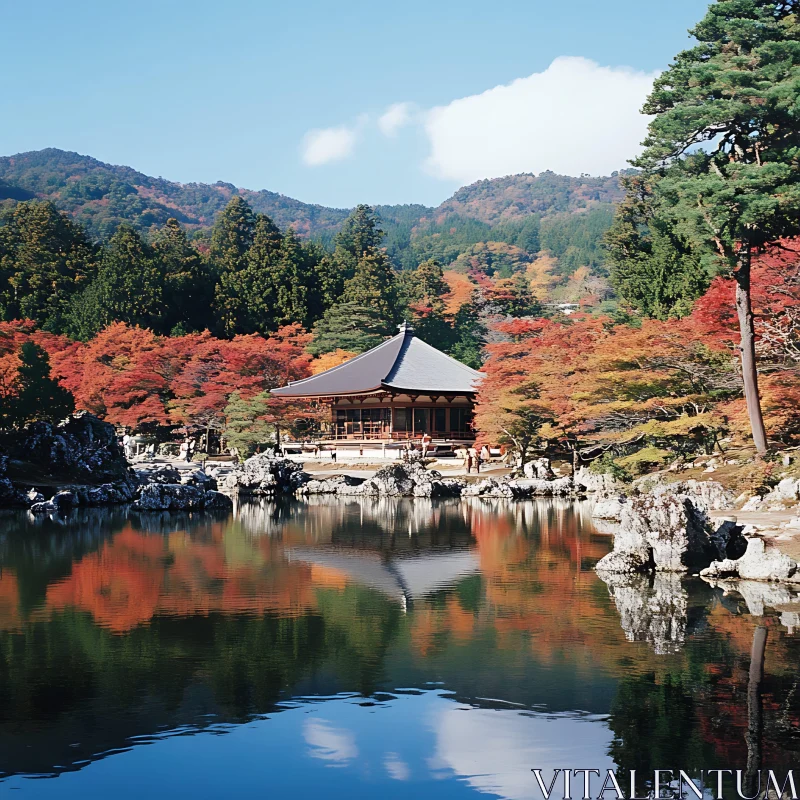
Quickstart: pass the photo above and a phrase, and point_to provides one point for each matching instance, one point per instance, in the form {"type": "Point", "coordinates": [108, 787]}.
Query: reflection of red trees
{"type": "Point", "coordinates": [535, 584]}
{"type": "Point", "coordinates": [137, 576]}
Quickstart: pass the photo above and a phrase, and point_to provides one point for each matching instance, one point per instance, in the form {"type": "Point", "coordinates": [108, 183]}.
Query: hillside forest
{"type": "Point", "coordinates": [630, 319]}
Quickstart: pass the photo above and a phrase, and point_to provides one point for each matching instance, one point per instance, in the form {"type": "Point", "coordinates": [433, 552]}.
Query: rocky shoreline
{"type": "Point", "coordinates": [80, 463]}
{"type": "Point", "coordinates": [664, 529]}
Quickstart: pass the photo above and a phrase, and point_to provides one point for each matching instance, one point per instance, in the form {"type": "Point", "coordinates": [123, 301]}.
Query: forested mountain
{"type": "Point", "coordinates": [101, 196]}
{"type": "Point", "coordinates": [562, 215]}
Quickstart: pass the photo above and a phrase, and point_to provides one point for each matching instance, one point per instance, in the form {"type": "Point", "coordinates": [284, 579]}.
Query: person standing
{"type": "Point", "coordinates": [426, 443]}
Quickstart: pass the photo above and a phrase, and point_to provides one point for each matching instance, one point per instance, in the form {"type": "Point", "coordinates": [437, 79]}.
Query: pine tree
{"type": "Point", "coordinates": [37, 396]}
{"type": "Point", "coordinates": [359, 237]}
{"type": "Point", "coordinates": [45, 261]}
{"type": "Point", "coordinates": [651, 266]}
{"type": "Point", "coordinates": [129, 288]}
{"type": "Point", "coordinates": [735, 97]}
{"type": "Point", "coordinates": [292, 279]}
{"type": "Point", "coordinates": [422, 291]}
{"type": "Point", "coordinates": [245, 427]}
{"type": "Point", "coordinates": [233, 236]}
{"type": "Point", "coordinates": [188, 281]}
{"type": "Point", "coordinates": [231, 241]}
{"type": "Point", "coordinates": [350, 327]}
{"type": "Point", "coordinates": [246, 297]}
{"type": "Point", "coordinates": [373, 285]}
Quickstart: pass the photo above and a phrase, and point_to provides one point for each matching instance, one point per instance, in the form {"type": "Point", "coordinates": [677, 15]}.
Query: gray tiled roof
{"type": "Point", "coordinates": [401, 363]}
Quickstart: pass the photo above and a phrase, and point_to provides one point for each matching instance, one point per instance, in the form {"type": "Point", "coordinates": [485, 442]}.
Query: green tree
{"type": "Point", "coordinates": [348, 326]}
{"type": "Point", "coordinates": [188, 281]}
{"type": "Point", "coordinates": [359, 237]}
{"type": "Point", "coordinates": [373, 285]}
{"type": "Point", "coordinates": [37, 395]}
{"type": "Point", "coordinates": [247, 295]}
{"type": "Point", "coordinates": [293, 280]}
{"type": "Point", "coordinates": [651, 267]}
{"type": "Point", "coordinates": [245, 427]}
{"type": "Point", "coordinates": [231, 240]}
{"type": "Point", "coordinates": [421, 291]}
{"type": "Point", "coordinates": [129, 288]}
{"type": "Point", "coordinates": [45, 261]}
{"type": "Point", "coordinates": [735, 96]}
{"type": "Point", "coordinates": [469, 336]}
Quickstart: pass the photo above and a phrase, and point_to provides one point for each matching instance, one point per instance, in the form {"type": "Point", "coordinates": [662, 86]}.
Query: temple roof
{"type": "Point", "coordinates": [402, 363]}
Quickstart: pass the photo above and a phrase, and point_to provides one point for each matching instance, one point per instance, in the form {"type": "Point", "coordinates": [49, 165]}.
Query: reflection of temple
{"type": "Point", "coordinates": [405, 579]}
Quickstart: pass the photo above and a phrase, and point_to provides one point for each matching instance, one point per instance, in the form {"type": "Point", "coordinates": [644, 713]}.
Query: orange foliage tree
{"type": "Point", "coordinates": [133, 377]}
{"type": "Point", "coordinates": [584, 382]}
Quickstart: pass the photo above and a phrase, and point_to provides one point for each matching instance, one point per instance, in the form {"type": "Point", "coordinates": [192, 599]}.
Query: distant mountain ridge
{"type": "Point", "coordinates": [101, 196]}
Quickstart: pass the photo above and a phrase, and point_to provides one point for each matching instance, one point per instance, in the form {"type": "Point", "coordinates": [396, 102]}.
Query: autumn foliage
{"type": "Point", "coordinates": [588, 381]}
{"type": "Point", "coordinates": [132, 377]}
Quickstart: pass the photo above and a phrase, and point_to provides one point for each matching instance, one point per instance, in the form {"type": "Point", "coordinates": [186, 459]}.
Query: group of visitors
{"type": "Point", "coordinates": [472, 459]}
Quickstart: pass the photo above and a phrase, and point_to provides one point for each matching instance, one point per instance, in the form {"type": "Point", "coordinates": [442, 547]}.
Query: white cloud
{"type": "Point", "coordinates": [395, 117]}
{"type": "Point", "coordinates": [574, 117]}
{"type": "Point", "coordinates": [324, 145]}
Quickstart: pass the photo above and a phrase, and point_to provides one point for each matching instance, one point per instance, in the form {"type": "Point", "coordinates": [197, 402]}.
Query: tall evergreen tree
{"type": "Point", "coordinates": [37, 395]}
{"type": "Point", "coordinates": [359, 237]}
{"type": "Point", "coordinates": [651, 266]}
{"type": "Point", "coordinates": [422, 291]}
{"type": "Point", "coordinates": [292, 279]}
{"type": "Point", "coordinates": [231, 240]}
{"type": "Point", "coordinates": [735, 95]}
{"type": "Point", "coordinates": [373, 285]}
{"type": "Point", "coordinates": [129, 288]}
{"type": "Point", "coordinates": [233, 235]}
{"type": "Point", "coordinates": [188, 281]}
{"type": "Point", "coordinates": [45, 261]}
{"type": "Point", "coordinates": [246, 297]}
{"type": "Point", "coordinates": [348, 326]}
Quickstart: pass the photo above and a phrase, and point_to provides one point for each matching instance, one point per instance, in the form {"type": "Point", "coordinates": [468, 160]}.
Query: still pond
{"type": "Point", "coordinates": [364, 649]}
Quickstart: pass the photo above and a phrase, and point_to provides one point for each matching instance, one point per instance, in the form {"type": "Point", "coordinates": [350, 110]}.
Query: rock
{"type": "Point", "coordinates": [264, 474]}
{"type": "Point", "coordinates": [79, 453]}
{"type": "Point", "coordinates": [64, 501]}
{"type": "Point", "coordinates": [169, 497]}
{"type": "Point", "coordinates": [753, 504]}
{"type": "Point", "coordinates": [492, 487]}
{"type": "Point", "coordinates": [158, 473]}
{"type": "Point", "coordinates": [608, 508]}
{"type": "Point", "coordinates": [600, 483]}
{"type": "Point", "coordinates": [199, 478]}
{"type": "Point", "coordinates": [653, 611]}
{"type": "Point", "coordinates": [787, 490]}
{"type": "Point", "coordinates": [329, 485]}
{"type": "Point", "coordinates": [705, 495]}
{"type": "Point", "coordinates": [82, 449]}
{"type": "Point", "coordinates": [539, 468]}
{"type": "Point", "coordinates": [34, 496]}
{"type": "Point", "coordinates": [521, 488]}
{"type": "Point", "coordinates": [664, 532]}
{"type": "Point", "coordinates": [759, 563]}
{"type": "Point", "coordinates": [216, 501]}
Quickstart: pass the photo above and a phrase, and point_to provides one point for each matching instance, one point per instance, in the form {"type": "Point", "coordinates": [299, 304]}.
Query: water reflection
{"type": "Point", "coordinates": [388, 642]}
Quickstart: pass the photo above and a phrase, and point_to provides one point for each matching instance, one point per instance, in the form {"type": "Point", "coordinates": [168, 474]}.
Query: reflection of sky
{"type": "Point", "coordinates": [414, 745]}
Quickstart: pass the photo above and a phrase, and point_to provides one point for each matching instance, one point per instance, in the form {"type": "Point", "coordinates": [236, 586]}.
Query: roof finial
{"type": "Point", "coordinates": [404, 327]}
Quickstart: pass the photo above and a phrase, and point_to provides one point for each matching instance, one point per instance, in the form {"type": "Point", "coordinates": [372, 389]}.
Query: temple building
{"type": "Point", "coordinates": [394, 393]}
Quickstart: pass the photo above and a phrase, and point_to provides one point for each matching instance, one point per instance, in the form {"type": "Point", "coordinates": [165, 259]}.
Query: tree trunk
{"type": "Point", "coordinates": [744, 310]}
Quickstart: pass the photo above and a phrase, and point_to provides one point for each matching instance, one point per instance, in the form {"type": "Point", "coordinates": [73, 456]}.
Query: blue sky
{"type": "Point", "coordinates": [293, 96]}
